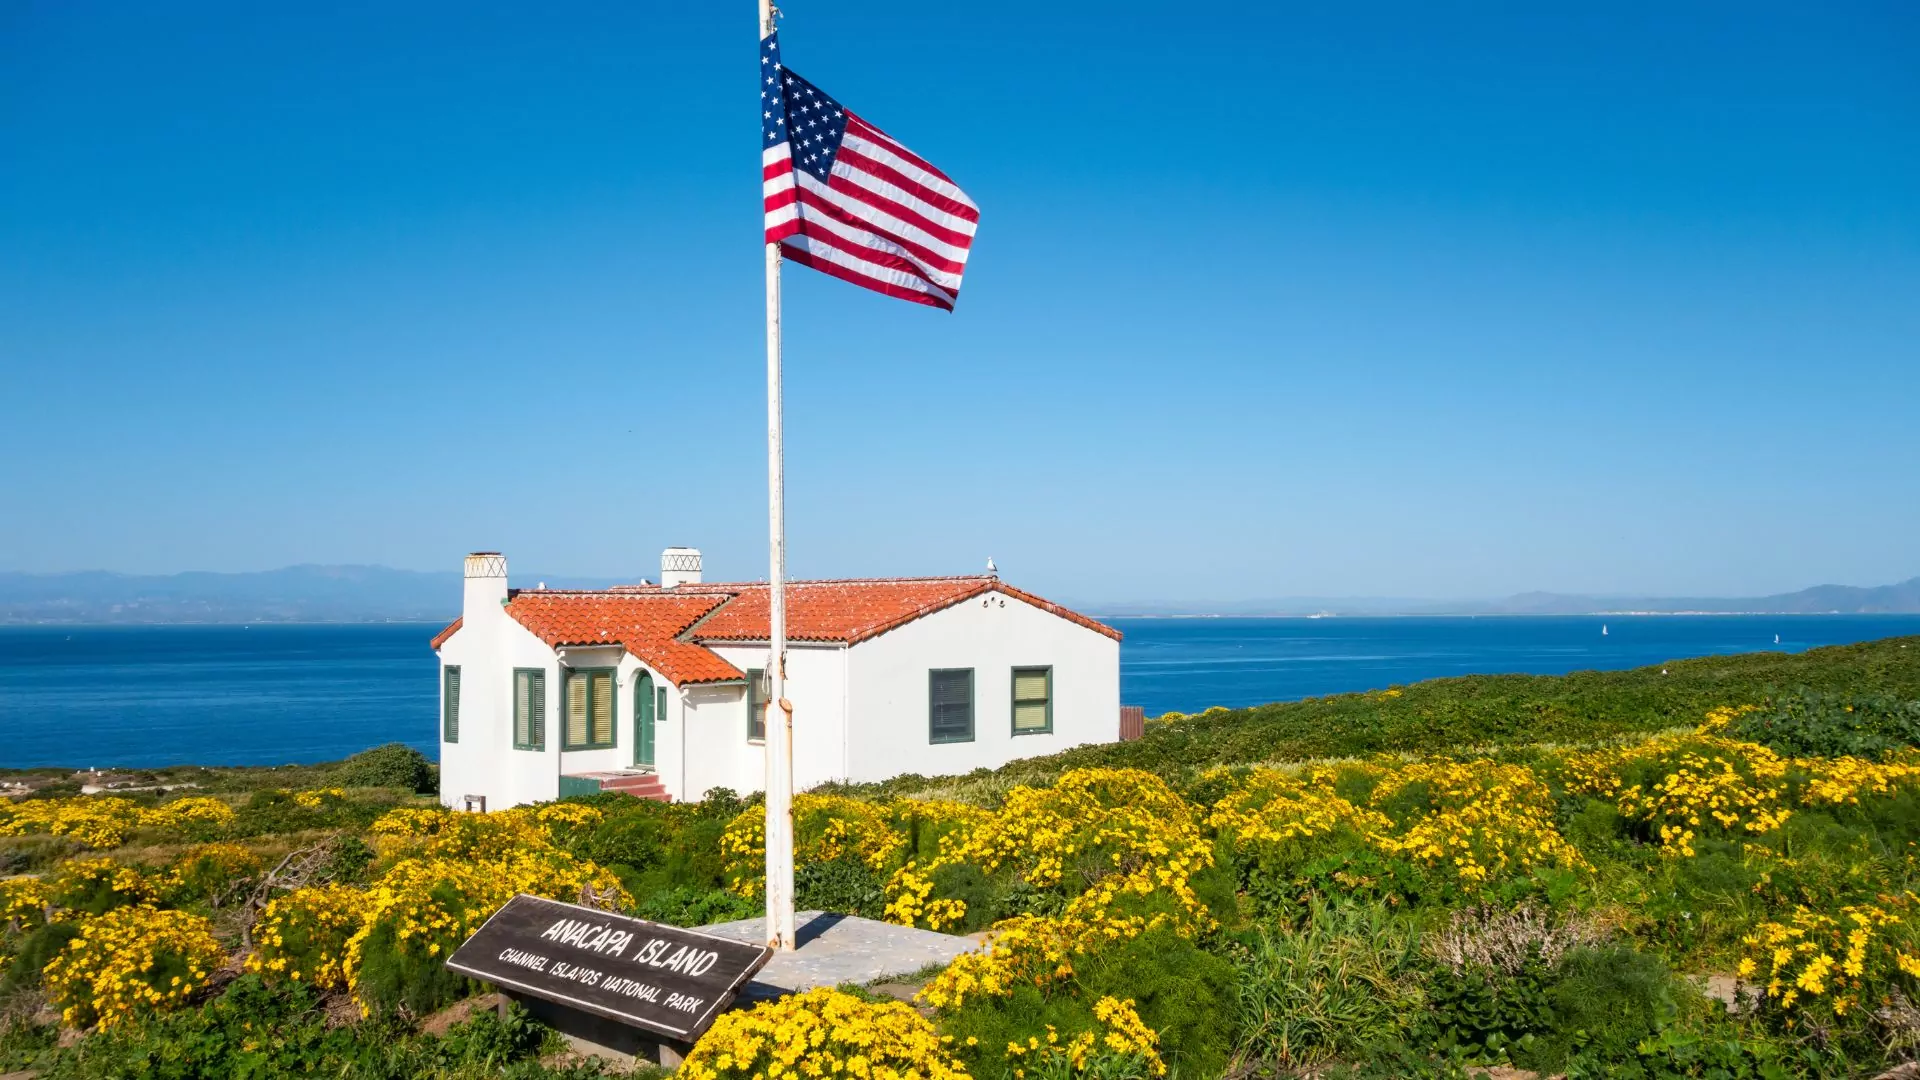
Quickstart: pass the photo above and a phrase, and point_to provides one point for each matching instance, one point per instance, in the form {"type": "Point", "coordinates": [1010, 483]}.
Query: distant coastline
{"type": "Point", "coordinates": [344, 595]}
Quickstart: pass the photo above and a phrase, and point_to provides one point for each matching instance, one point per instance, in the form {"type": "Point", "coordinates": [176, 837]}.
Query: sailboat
{"type": "Point", "coordinates": [1603, 629]}
{"type": "Point", "coordinates": [1776, 639]}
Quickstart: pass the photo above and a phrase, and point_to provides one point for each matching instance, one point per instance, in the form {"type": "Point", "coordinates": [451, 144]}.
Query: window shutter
{"type": "Point", "coordinates": [537, 709]}
{"type": "Point", "coordinates": [756, 705]}
{"type": "Point", "coordinates": [603, 708]}
{"type": "Point", "coordinates": [576, 710]}
{"type": "Point", "coordinates": [450, 717]}
{"type": "Point", "coordinates": [1032, 699]}
{"type": "Point", "coordinates": [950, 709]}
{"type": "Point", "coordinates": [522, 708]}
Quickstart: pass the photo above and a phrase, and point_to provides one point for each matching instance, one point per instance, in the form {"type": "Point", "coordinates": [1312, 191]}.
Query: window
{"type": "Point", "coordinates": [1032, 700]}
{"type": "Point", "coordinates": [950, 705]}
{"type": "Point", "coordinates": [529, 709]}
{"type": "Point", "coordinates": [756, 704]}
{"type": "Point", "coordinates": [590, 709]}
{"type": "Point", "coordinates": [450, 704]}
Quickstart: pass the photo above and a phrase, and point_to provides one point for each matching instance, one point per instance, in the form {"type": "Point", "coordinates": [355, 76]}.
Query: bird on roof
{"type": "Point", "coordinates": [991, 569]}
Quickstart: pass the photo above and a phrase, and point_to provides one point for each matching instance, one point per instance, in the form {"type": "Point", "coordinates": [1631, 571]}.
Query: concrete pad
{"type": "Point", "coordinates": [835, 949]}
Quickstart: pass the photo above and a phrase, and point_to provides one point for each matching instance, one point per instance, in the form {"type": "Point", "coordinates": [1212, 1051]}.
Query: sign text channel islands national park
{"type": "Point", "coordinates": [661, 979]}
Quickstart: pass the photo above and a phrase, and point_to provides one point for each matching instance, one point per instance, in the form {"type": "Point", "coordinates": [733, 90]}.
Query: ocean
{"type": "Point", "coordinates": [270, 695]}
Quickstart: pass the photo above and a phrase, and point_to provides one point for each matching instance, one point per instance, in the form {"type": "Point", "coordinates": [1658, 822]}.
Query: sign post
{"type": "Point", "coordinates": [666, 982]}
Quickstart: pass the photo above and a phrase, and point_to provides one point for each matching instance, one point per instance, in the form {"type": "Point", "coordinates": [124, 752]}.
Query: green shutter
{"type": "Point", "coordinates": [756, 705]}
{"type": "Point", "coordinates": [605, 700]}
{"type": "Point", "coordinates": [537, 710]}
{"type": "Point", "coordinates": [529, 709]}
{"type": "Point", "coordinates": [450, 705]}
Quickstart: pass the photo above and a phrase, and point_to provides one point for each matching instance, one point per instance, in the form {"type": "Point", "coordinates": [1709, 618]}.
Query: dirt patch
{"type": "Point", "coordinates": [439, 1022]}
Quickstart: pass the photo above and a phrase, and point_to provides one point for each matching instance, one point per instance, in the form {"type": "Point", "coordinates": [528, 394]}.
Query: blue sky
{"type": "Point", "coordinates": [1384, 299]}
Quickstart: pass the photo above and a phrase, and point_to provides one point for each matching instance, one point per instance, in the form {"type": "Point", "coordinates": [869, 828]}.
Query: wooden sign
{"type": "Point", "coordinates": [659, 978]}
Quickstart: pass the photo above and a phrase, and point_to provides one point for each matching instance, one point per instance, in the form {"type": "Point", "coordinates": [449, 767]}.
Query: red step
{"type": "Point", "coordinates": [638, 785]}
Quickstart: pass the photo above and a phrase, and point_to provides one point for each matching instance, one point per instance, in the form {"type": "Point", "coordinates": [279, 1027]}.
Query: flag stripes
{"type": "Point", "coordinates": [843, 197]}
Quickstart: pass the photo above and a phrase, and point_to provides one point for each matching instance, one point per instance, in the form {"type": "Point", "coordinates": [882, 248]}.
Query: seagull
{"type": "Point", "coordinates": [991, 569]}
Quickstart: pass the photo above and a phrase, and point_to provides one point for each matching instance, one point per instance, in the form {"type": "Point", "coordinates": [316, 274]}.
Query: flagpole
{"type": "Point", "coordinates": [779, 716]}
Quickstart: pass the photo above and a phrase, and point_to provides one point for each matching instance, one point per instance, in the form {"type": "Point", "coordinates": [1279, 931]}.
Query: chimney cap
{"type": "Point", "coordinates": [486, 564]}
{"type": "Point", "coordinates": [679, 565]}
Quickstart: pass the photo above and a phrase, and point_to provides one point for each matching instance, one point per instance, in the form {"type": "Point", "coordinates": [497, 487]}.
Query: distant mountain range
{"type": "Point", "coordinates": [381, 594]}
{"type": "Point", "coordinates": [1903, 598]}
{"type": "Point", "coordinates": [312, 594]}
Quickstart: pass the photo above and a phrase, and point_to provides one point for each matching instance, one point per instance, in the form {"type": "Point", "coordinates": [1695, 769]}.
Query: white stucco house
{"type": "Point", "coordinates": [659, 690]}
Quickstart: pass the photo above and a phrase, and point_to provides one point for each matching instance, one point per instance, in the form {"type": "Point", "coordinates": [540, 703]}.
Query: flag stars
{"type": "Point", "coordinates": [808, 117]}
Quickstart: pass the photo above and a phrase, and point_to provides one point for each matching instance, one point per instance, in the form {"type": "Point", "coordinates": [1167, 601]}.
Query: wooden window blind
{"type": "Point", "coordinates": [591, 706]}
{"type": "Point", "coordinates": [756, 704]}
{"type": "Point", "coordinates": [1032, 700]}
{"type": "Point", "coordinates": [450, 704]}
{"type": "Point", "coordinates": [529, 709]}
{"type": "Point", "coordinates": [601, 684]}
{"type": "Point", "coordinates": [950, 705]}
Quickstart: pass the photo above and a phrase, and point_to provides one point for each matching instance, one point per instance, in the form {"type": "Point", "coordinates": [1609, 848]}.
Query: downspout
{"type": "Point", "coordinates": [846, 713]}
{"type": "Point", "coordinates": [559, 767]}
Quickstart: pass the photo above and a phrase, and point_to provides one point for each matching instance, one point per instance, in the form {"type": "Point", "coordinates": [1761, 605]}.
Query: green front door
{"type": "Point", "coordinates": [643, 720]}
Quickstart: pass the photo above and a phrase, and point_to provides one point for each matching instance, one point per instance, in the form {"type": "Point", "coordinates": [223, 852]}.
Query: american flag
{"type": "Point", "coordinates": [846, 199]}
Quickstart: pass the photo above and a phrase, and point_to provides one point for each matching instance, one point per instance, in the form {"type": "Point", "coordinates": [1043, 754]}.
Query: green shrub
{"type": "Point", "coordinates": [1812, 724]}
{"type": "Point", "coordinates": [656, 847]}
{"type": "Point", "coordinates": [1179, 990]}
{"type": "Point", "coordinates": [33, 854]}
{"type": "Point", "coordinates": [982, 1028]}
{"type": "Point", "coordinates": [1596, 827]}
{"type": "Point", "coordinates": [24, 1044]}
{"type": "Point", "coordinates": [1703, 901]}
{"type": "Point", "coordinates": [349, 861]}
{"type": "Point", "coordinates": [96, 885]}
{"type": "Point", "coordinates": [213, 873]}
{"type": "Point", "coordinates": [269, 811]}
{"type": "Point", "coordinates": [1345, 980]}
{"type": "Point", "coordinates": [1718, 1053]}
{"type": "Point", "coordinates": [254, 1032]}
{"type": "Point", "coordinates": [1005, 899]}
{"type": "Point", "coordinates": [394, 765]}
{"type": "Point", "coordinates": [36, 950]}
{"type": "Point", "coordinates": [842, 886]}
{"type": "Point", "coordinates": [1486, 1015]}
{"type": "Point", "coordinates": [689, 905]}
{"type": "Point", "coordinates": [394, 977]}
{"type": "Point", "coordinates": [1604, 1002]}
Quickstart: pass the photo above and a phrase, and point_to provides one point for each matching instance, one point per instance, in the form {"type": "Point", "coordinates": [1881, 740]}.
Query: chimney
{"type": "Point", "coordinates": [486, 584]}
{"type": "Point", "coordinates": [679, 566]}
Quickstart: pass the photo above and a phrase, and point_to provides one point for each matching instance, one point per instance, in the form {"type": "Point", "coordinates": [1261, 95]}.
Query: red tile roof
{"type": "Point", "coordinates": [440, 638]}
{"type": "Point", "coordinates": [647, 624]}
{"type": "Point", "coordinates": [854, 610]}
{"type": "Point", "coordinates": [667, 628]}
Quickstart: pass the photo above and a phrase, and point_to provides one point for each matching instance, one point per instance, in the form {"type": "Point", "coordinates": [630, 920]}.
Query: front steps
{"type": "Point", "coordinates": [640, 785]}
